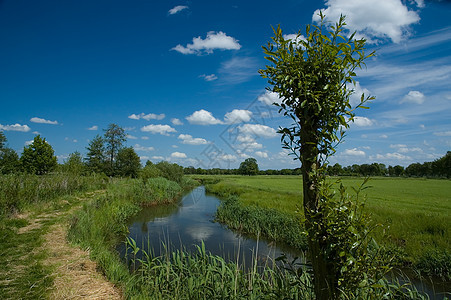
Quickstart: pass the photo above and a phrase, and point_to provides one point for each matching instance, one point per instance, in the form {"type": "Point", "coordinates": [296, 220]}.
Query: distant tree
{"type": "Point", "coordinates": [173, 172]}
{"type": "Point", "coordinates": [2, 140]}
{"type": "Point", "coordinates": [311, 76]}
{"type": "Point", "coordinates": [114, 138]}
{"type": "Point", "coordinates": [149, 171]}
{"type": "Point", "coordinates": [74, 164]}
{"type": "Point", "coordinates": [9, 161]}
{"type": "Point", "coordinates": [442, 166]}
{"type": "Point", "coordinates": [95, 158]}
{"type": "Point", "coordinates": [38, 157]}
{"type": "Point", "coordinates": [128, 163]}
{"type": "Point", "coordinates": [249, 167]}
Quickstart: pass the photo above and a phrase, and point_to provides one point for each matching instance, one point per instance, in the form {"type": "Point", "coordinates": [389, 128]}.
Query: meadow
{"type": "Point", "coordinates": [414, 214]}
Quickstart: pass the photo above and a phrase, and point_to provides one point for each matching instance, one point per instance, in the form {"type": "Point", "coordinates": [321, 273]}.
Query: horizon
{"type": "Point", "coordinates": [182, 78]}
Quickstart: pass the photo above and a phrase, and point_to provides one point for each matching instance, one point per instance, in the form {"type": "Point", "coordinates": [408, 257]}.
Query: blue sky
{"type": "Point", "coordinates": [182, 77]}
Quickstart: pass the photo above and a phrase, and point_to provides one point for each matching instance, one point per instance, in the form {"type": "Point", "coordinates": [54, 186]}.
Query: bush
{"type": "Point", "coordinates": [173, 172]}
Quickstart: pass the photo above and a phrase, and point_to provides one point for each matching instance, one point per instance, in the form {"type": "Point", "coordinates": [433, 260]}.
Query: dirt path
{"type": "Point", "coordinates": [75, 275]}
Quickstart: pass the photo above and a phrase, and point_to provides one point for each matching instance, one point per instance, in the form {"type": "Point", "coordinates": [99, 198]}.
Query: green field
{"type": "Point", "coordinates": [415, 213]}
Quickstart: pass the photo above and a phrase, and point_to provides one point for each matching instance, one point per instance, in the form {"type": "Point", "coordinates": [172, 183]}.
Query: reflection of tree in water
{"type": "Point", "coordinates": [144, 227]}
{"type": "Point", "coordinates": [149, 214]}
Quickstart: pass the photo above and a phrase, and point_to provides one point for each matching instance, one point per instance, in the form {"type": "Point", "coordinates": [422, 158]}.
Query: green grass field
{"type": "Point", "coordinates": [415, 212]}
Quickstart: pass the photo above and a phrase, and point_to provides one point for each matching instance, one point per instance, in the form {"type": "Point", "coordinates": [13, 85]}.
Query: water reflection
{"type": "Point", "coordinates": [189, 222]}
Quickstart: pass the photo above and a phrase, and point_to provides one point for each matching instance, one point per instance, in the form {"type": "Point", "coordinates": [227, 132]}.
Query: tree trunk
{"type": "Point", "coordinates": [323, 271]}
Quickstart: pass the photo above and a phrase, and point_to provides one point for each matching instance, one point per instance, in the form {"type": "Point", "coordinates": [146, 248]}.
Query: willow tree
{"type": "Point", "coordinates": [313, 75]}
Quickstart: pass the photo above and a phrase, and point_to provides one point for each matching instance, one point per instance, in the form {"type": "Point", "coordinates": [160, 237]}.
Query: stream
{"type": "Point", "coordinates": [190, 221]}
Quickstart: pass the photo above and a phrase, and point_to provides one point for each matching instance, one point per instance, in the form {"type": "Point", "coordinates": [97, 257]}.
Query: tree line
{"type": "Point", "coordinates": [439, 168]}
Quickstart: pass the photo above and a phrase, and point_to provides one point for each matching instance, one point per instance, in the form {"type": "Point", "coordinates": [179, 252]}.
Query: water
{"type": "Point", "coordinates": [191, 221]}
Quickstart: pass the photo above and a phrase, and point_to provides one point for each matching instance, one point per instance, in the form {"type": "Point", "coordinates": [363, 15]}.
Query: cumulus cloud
{"type": "Point", "coordinates": [391, 156]}
{"type": "Point", "coordinates": [363, 121]}
{"type": "Point", "coordinates": [138, 147]}
{"type": "Point", "coordinates": [189, 140]}
{"type": "Point", "coordinates": [373, 19]}
{"type": "Point", "coordinates": [177, 9]}
{"type": "Point", "coordinates": [15, 127]}
{"type": "Point", "coordinates": [203, 117]}
{"type": "Point", "coordinates": [214, 40]}
{"type": "Point", "coordinates": [95, 127]}
{"type": "Point", "coordinates": [178, 155]}
{"type": "Point", "coordinates": [227, 157]}
{"type": "Point", "coordinates": [258, 130]}
{"type": "Point", "coordinates": [413, 97]}
{"type": "Point", "coordinates": [176, 121]}
{"type": "Point", "coordinates": [43, 121]}
{"type": "Point", "coordinates": [147, 116]}
{"type": "Point", "coordinates": [157, 157]}
{"type": "Point", "coordinates": [269, 98]}
{"type": "Point", "coordinates": [210, 77]}
{"type": "Point", "coordinates": [354, 152]}
{"type": "Point", "coordinates": [238, 116]}
{"type": "Point", "coordinates": [161, 129]}
{"type": "Point", "coordinates": [131, 137]}
{"type": "Point", "coordinates": [261, 154]}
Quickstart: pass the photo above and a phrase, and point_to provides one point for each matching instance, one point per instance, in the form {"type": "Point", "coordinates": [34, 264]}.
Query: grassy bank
{"type": "Point", "coordinates": [29, 206]}
{"type": "Point", "coordinates": [415, 213]}
{"type": "Point", "coordinates": [101, 224]}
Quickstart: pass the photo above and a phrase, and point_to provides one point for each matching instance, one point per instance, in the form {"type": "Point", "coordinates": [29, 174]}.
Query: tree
{"type": "Point", "coordinates": [95, 160]}
{"type": "Point", "coordinates": [2, 140]}
{"type": "Point", "coordinates": [312, 77]}
{"type": "Point", "coordinates": [249, 167]}
{"type": "Point", "coordinates": [74, 164]}
{"type": "Point", "coordinates": [9, 160]}
{"type": "Point", "coordinates": [114, 138]}
{"type": "Point", "coordinates": [128, 163]}
{"type": "Point", "coordinates": [173, 172]}
{"type": "Point", "coordinates": [38, 157]}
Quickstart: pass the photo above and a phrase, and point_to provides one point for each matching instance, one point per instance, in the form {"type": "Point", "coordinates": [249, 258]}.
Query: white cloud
{"type": "Point", "coordinates": [144, 137]}
{"type": "Point", "coordinates": [147, 116]}
{"type": "Point", "coordinates": [363, 121]}
{"type": "Point", "coordinates": [131, 137]}
{"type": "Point", "coordinates": [227, 157]}
{"type": "Point", "coordinates": [258, 130]}
{"type": "Point", "coordinates": [157, 157]}
{"type": "Point", "coordinates": [391, 156]}
{"type": "Point", "coordinates": [176, 121]}
{"type": "Point", "coordinates": [413, 97]}
{"type": "Point", "coordinates": [189, 140]}
{"type": "Point", "coordinates": [214, 40]}
{"type": "Point", "coordinates": [161, 129]}
{"type": "Point", "coordinates": [443, 133]}
{"type": "Point", "coordinates": [354, 152]}
{"type": "Point", "coordinates": [210, 77]}
{"type": "Point", "coordinates": [43, 121]}
{"type": "Point", "coordinates": [237, 116]}
{"type": "Point", "coordinates": [238, 70]}
{"type": "Point", "coordinates": [383, 136]}
{"type": "Point", "coordinates": [15, 127]}
{"type": "Point", "coordinates": [203, 117]}
{"type": "Point", "coordinates": [95, 127]}
{"type": "Point", "coordinates": [269, 98]}
{"type": "Point", "coordinates": [27, 143]}
{"type": "Point", "coordinates": [144, 157]}
{"type": "Point", "coordinates": [138, 147]}
{"type": "Point", "coordinates": [177, 9]}
{"type": "Point", "coordinates": [356, 96]}
{"type": "Point", "coordinates": [373, 19]}
{"type": "Point", "coordinates": [261, 154]}
{"type": "Point", "coordinates": [178, 155]}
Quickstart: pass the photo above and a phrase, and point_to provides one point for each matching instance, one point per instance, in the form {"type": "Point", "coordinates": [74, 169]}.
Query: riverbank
{"type": "Point", "coordinates": [414, 214]}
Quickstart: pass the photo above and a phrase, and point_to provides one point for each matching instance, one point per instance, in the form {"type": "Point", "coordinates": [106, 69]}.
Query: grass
{"type": "Point", "coordinates": [40, 200]}
{"type": "Point", "coordinates": [415, 212]}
